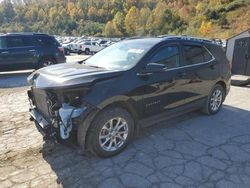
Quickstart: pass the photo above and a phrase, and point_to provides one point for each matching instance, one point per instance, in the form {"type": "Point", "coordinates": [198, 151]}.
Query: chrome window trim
{"type": "Point", "coordinates": [203, 63]}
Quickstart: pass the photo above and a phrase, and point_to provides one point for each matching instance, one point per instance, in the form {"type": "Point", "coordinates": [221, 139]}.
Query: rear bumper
{"type": "Point", "coordinates": [60, 58]}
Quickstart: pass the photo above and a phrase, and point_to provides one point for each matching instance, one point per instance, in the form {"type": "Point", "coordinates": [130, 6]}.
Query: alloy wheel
{"type": "Point", "coordinates": [216, 100]}
{"type": "Point", "coordinates": [47, 63]}
{"type": "Point", "coordinates": [113, 134]}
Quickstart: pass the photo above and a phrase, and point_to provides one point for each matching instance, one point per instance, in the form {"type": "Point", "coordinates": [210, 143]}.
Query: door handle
{"type": "Point", "coordinates": [4, 52]}
{"type": "Point", "coordinates": [143, 74]}
{"type": "Point", "coordinates": [32, 50]}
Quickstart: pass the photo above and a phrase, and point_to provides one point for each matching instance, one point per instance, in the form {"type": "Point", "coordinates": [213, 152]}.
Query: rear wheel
{"type": "Point", "coordinates": [46, 62]}
{"type": "Point", "coordinates": [110, 132]}
{"type": "Point", "coordinates": [214, 101]}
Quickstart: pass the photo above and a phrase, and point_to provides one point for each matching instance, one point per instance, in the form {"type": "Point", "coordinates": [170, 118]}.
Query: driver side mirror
{"type": "Point", "coordinates": [152, 68]}
{"type": "Point", "coordinates": [155, 67]}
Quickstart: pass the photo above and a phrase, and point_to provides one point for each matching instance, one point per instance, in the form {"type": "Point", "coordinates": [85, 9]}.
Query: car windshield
{"type": "Point", "coordinates": [120, 56]}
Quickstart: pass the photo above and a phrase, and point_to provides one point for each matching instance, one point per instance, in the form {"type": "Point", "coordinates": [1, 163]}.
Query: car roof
{"type": "Point", "coordinates": [162, 38]}
{"type": "Point", "coordinates": [26, 34]}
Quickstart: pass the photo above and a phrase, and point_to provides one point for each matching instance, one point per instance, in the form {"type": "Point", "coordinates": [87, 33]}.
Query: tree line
{"type": "Point", "coordinates": [117, 18]}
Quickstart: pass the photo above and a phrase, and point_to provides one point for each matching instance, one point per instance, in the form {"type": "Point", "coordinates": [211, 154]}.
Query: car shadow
{"type": "Point", "coordinates": [140, 160]}
{"type": "Point", "coordinates": [14, 78]}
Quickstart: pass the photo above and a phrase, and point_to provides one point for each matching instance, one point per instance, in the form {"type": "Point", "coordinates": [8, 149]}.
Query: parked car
{"type": "Point", "coordinates": [106, 99]}
{"type": "Point", "coordinates": [89, 47]}
{"type": "Point", "coordinates": [67, 49]}
{"type": "Point", "coordinates": [29, 51]}
{"type": "Point", "coordinates": [75, 45]}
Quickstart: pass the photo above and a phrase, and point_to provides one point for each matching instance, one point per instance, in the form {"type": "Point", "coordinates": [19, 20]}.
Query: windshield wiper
{"type": "Point", "coordinates": [83, 61]}
{"type": "Point", "coordinates": [93, 66]}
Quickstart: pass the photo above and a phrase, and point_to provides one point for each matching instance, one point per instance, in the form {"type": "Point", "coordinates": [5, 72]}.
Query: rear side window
{"type": "Point", "coordinates": [168, 56]}
{"type": "Point", "coordinates": [219, 53]}
{"type": "Point", "coordinates": [20, 41]}
{"type": "Point", "coordinates": [47, 41]}
{"type": "Point", "coordinates": [195, 54]}
{"type": "Point", "coordinates": [2, 42]}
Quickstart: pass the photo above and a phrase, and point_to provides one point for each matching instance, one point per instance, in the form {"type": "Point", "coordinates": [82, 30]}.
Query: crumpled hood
{"type": "Point", "coordinates": [69, 75]}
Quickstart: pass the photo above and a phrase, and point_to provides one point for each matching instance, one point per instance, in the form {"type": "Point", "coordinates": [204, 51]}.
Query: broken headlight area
{"type": "Point", "coordinates": [73, 97]}
{"type": "Point", "coordinates": [61, 109]}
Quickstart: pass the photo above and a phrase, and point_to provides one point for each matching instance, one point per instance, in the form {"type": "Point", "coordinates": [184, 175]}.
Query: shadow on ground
{"type": "Point", "coordinates": [14, 79]}
{"type": "Point", "coordinates": [193, 150]}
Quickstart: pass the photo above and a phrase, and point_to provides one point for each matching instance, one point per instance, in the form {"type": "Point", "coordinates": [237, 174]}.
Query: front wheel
{"type": "Point", "coordinates": [110, 132]}
{"type": "Point", "coordinates": [214, 101]}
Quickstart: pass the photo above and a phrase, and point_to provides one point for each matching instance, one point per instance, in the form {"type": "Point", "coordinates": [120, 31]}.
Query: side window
{"type": "Point", "coordinates": [2, 42]}
{"type": "Point", "coordinates": [14, 41]}
{"type": "Point", "coordinates": [195, 54]}
{"type": "Point", "coordinates": [168, 56]}
{"type": "Point", "coordinates": [29, 41]}
{"type": "Point", "coordinates": [47, 41]}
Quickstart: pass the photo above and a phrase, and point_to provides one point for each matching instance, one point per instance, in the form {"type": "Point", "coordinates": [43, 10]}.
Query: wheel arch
{"type": "Point", "coordinates": [118, 101]}
{"type": "Point", "coordinates": [223, 84]}
{"type": "Point", "coordinates": [44, 57]}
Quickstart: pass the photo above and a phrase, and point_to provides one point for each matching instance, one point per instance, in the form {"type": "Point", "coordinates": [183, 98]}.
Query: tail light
{"type": "Point", "coordinates": [80, 46]}
{"type": "Point", "coordinates": [229, 66]}
{"type": "Point", "coordinates": [61, 49]}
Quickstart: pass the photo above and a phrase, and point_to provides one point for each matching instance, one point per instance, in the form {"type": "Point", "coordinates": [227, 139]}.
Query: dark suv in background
{"type": "Point", "coordinates": [104, 100]}
{"type": "Point", "coordinates": [29, 51]}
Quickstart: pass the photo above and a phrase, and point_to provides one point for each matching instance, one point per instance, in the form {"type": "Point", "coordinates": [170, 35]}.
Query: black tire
{"type": "Point", "coordinates": [87, 51]}
{"type": "Point", "coordinates": [93, 139]}
{"type": "Point", "coordinates": [67, 52]}
{"type": "Point", "coordinates": [79, 52]}
{"type": "Point", "coordinates": [208, 107]}
{"type": "Point", "coordinates": [44, 62]}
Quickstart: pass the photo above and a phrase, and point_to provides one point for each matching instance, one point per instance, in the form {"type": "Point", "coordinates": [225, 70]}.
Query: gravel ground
{"type": "Point", "coordinates": [190, 151]}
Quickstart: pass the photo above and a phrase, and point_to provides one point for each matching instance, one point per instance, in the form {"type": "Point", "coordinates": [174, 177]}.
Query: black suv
{"type": "Point", "coordinates": [104, 100]}
{"type": "Point", "coordinates": [29, 51]}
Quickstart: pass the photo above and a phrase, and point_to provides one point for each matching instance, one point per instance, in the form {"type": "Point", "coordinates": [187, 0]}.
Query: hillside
{"type": "Point", "coordinates": [206, 18]}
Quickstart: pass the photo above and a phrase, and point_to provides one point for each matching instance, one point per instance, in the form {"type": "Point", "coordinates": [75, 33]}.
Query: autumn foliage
{"type": "Point", "coordinates": [117, 18]}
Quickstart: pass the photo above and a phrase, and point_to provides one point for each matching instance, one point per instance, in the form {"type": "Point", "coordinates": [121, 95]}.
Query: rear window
{"type": "Point", "coordinates": [47, 41]}
{"type": "Point", "coordinates": [196, 54]}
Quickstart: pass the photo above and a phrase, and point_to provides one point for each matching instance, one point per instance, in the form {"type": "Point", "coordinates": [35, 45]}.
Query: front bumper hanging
{"type": "Point", "coordinates": [64, 125]}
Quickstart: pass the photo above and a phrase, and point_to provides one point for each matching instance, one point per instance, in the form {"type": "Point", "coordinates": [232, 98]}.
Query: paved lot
{"type": "Point", "coordinates": [190, 151]}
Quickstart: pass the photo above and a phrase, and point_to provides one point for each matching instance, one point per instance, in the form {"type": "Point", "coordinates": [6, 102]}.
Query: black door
{"type": "Point", "coordinates": [201, 69]}
{"type": "Point", "coordinates": [248, 59]}
{"type": "Point", "coordinates": [21, 52]}
{"type": "Point", "coordinates": [241, 57]}
{"type": "Point", "coordinates": [164, 89]}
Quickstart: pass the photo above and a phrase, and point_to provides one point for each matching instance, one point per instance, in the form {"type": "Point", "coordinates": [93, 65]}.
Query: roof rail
{"type": "Point", "coordinates": [185, 37]}
{"type": "Point", "coordinates": [26, 33]}
{"type": "Point", "coordinates": [130, 38]}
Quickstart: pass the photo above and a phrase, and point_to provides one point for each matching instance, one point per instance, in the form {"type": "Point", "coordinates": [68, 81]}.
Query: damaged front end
{"type": "Point", "coordinates": [57, 113]}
